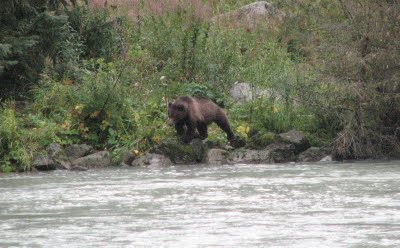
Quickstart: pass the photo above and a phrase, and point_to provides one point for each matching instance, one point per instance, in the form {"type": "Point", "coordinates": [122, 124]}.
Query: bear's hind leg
{"type": "Point", "coordinates": [223, 123]}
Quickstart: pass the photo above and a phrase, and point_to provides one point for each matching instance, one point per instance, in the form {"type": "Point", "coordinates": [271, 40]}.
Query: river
{"type": "Point", "coordinates": [280, 205]}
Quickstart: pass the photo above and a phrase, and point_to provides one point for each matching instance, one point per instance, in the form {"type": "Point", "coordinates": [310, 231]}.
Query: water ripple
{"type": "Point", "coordinates": [286, 205]}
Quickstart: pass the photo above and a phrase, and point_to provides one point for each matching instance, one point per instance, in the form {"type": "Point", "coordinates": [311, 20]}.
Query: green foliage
{"type": "Point", "coordinates": [35, 40]}
{"type": "Point", "coordinates": [177, 43]}
{"type": "Point", "coordinates": [268, 116]}
{"type": "Point", "coordinates": [94, 106]}
{"type": "Point", "coordinates": [329, 70]}
{"type": "Point", "coordinates": [261, 140]}
{"type": "Point", "coordinates": [30, 37]}
{"type": "Point", "coordinates": [101, 34]}
{"type": "Point", "coordinates": [23, 136]}
{"type": "Point", "coordinates": [356, 56]}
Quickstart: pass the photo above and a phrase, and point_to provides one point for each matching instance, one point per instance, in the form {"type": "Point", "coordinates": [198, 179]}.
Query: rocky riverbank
{"type": "Point", "coordinates": [285, 147]}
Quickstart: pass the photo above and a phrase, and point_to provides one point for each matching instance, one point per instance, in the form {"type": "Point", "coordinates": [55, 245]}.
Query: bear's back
{"type": "Point", "coordinates": [209, 110]}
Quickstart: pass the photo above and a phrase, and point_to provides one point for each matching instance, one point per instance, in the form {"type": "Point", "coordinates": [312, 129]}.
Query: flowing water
{"type": "Point", "coordinates": [284, 205]}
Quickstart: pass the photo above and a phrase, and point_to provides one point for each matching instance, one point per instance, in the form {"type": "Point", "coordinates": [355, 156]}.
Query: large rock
{"type": "Point", "coordinates": [296, 138]}
{"type": "Point", "coordinates": [280, 152]}
{"type": "Point", "coordinates": [57, 154]}
{"type": "Point", "coordinates": [152, 160]}
{"type": "Point", "coordinates": [250, 16]}
{"type": "Point", "coordinates": [128, 158]}
{"type": "Point", "coordinates": [43, 163]}
{"type": "Point", "coordinates": [216, 157]}
{"type": "Point", "coordinates": [54, 149]}
{"type": "Point", "coordinates": [77, 151]}
{"type": "Point", "coordinates": [244, 92]}
{"type": "Point", "coordinates": [180, 153]}
{"type": "Point", "coordinates": [260, 140]}
{"type": "Point", "coordinates": [241, 92]}
{"type": "Point", "coordinates": [327, 159]}
{"type": "Point", "coordinates": [313, 154]}
{"type": "Point", "coordinates": [95, 160]}
{"type": "Point", "coordinates": [249, 156]}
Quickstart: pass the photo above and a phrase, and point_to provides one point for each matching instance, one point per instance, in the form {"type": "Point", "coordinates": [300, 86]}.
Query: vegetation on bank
{"type": "Point", "coordinates": [81, 72]}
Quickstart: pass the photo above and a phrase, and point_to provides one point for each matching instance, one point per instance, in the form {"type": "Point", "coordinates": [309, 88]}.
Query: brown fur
{"type": "Point", "coordinates": [189, 114]}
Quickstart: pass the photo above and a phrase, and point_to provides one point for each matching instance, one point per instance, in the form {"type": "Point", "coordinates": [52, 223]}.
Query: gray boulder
{"type": "Point", "coordinates": [95, 160]}
{"type": "Point", "coordinates": [54, 149]}
{"type": "Point", "coordinates": [152, 160]}
{"type": "Point", "coordinates": [43, 163]}
{"type": "Point", "coordinates": [280, 152]}
{"type": "Point", "coordinates": [296, 138]}
{"type": "Point", "coordinates": [244, 92]}
{"type": "Point", "coordinates": [241, 92]}
{"type": "Point", "coordinates": [249, 16]}
{"type": "Point", "coordinates": [180, 153]}
{"type": "Point", "coordinates": [249, 156]}
{"type": "Point", "coordinates": [313, 154]}
{"type": "Point", "coordinates": [128, 158]}
{"type": "Point", "coordinates": [78, 168]}
{"type": "Point", "coordinates": [216, 157]}
{"type": "Point", "coordinates": [77, 151]}
{"type": "Point", "coordinates": [57, 154]}
{"type": "Point", "coordinates": [326, 159]}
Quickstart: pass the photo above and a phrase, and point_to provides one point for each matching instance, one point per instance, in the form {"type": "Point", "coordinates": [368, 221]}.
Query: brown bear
{"type": "Point", "coordinates": [190, 113]}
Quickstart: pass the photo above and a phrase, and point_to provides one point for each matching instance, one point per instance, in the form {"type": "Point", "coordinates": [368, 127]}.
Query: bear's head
{"type": "Point", "coordinates": [177, 112]}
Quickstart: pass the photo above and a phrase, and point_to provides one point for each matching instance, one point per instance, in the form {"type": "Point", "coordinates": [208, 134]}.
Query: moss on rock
{"type": "Point", "coordinates": [261, 140]}
{"type": "Point", "coordinates": [182, 153]}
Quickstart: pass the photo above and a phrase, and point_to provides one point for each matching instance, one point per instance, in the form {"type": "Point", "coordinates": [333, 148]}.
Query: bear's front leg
{"type": "Point", "coordinates": [190, 133]}
{"type": "Point", "coordinates": [180, 130]}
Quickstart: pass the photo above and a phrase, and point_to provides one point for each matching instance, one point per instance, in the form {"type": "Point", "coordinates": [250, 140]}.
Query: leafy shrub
{"type": "Point", "coordinates": [268, 116]}
{"type": "Point", "coordinates": [24, 136]}
{"type": "Point", "coordinates": [94, 106]}
{"type": "Point", "coordinates": [102, 35]}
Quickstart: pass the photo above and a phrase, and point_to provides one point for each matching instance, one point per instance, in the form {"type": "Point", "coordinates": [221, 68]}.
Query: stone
{"type": "Point", "coordinates": [95, 160]}
{"type": "Point", "coordinates": [260, 140]}
{"type": "Point", "coordinates": [78, 168]}
{"type": "Point", "coordinates": [249, 156]}
{"type": "Point", "coordinates": [280, 152]}
{"type": "Point", "coordinates": [199, 149]}
{"type": "Point", "coordinates": [327, 159]}
{"type": "Point", "coordinates": [77, 151]}
{"type": "Point", "coordinates": [241, 92]}
{"type": "Point", "coordinates": [250, 16]}
{"type": "Point", "coordinates": [128, 158]}
{"type": "Point", "coordinates": [57, 154]}
{"type": "Point", "coordinates": [43, 163]}
{"type": "Point", "coordinates": [245, 92]}
{"type": "Point", "coordinates": [312, 154]}
{"type": "Point", "coordinates": [180, 153]}
{"type": "Point", "coordinates": [54, 149]}
{"type": "Point", "coordinates": [63, 165]}
{"type": "Point", "coordinates": [296, 138]}
{"type": "Point", "coordinates": [152, 160]}
{"type": "Point", "coordinates": [216, 157]}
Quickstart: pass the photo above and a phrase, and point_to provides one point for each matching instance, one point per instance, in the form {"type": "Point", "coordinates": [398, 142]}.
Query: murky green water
{"type": "Point", "coordinates": [287, 205]}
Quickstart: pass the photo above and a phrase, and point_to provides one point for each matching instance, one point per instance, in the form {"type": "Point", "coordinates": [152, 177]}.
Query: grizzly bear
{"type": "Point", "coordinates": [190, 113]}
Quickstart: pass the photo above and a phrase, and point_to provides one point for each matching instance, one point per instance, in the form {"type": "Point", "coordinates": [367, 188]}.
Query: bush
{"type": "Point", "coordinates": [102, 34]}
{"type": "Point", "coordinates": [23, 136]}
